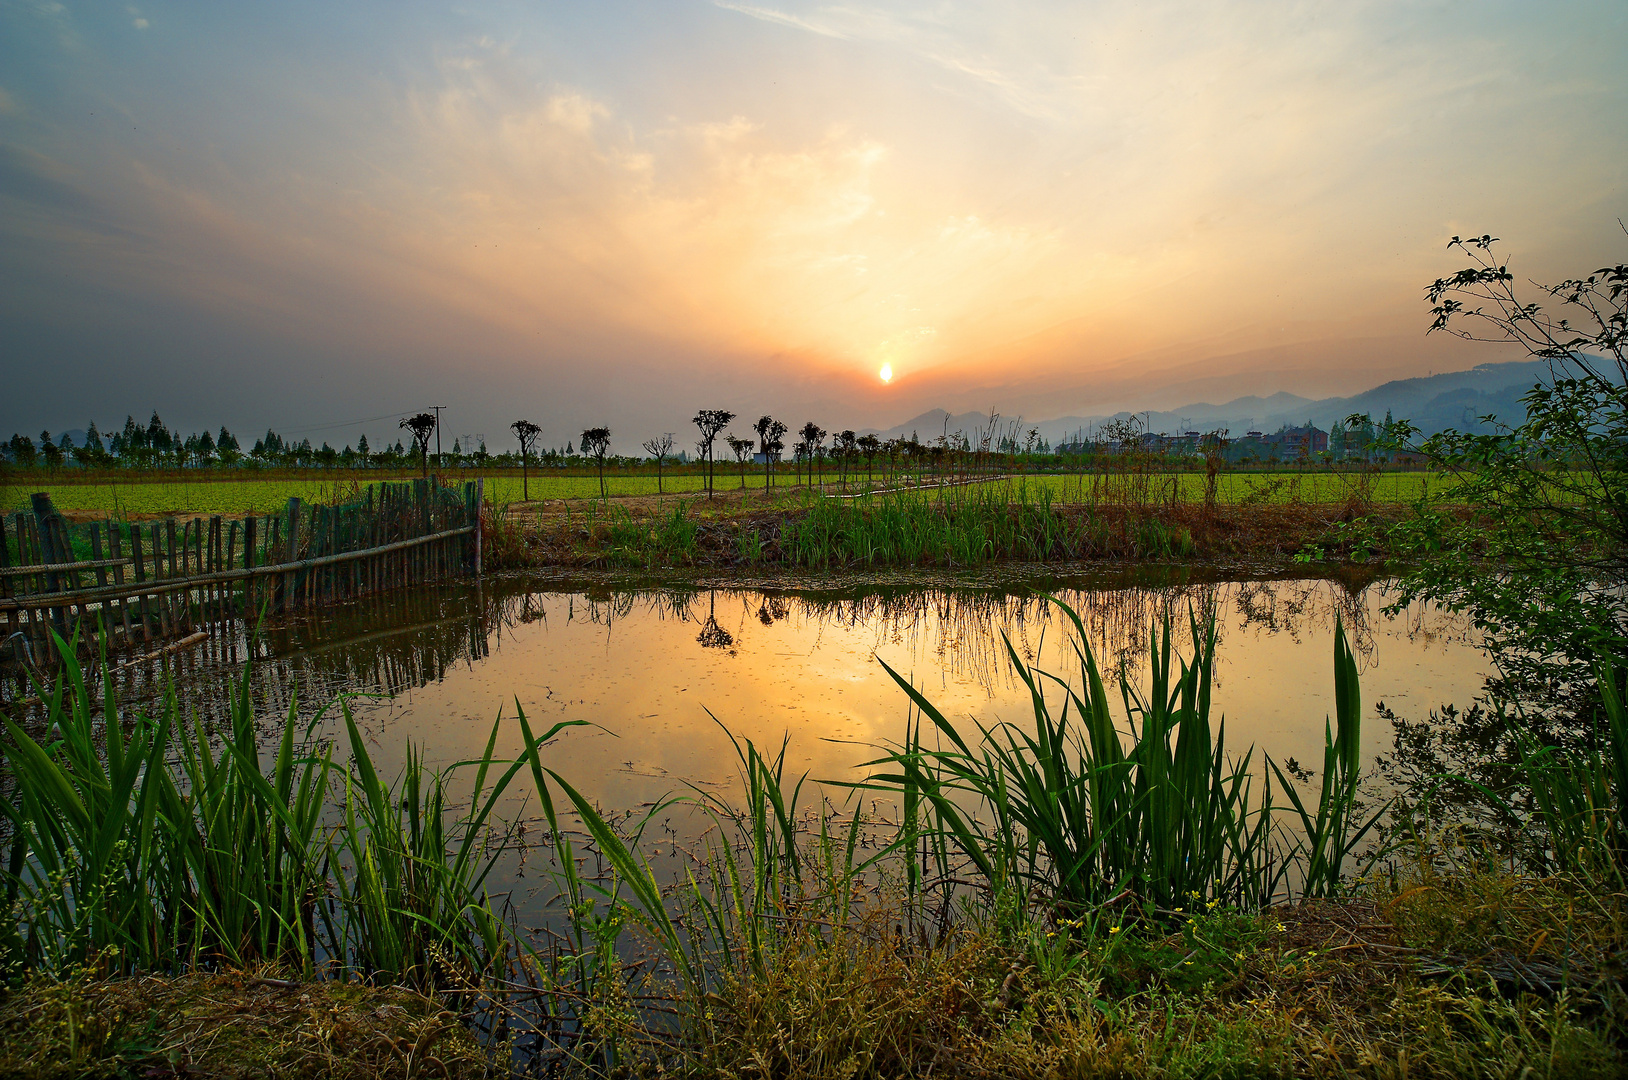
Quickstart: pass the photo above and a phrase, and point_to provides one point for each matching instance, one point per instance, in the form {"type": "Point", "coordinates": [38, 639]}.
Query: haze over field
{"type": "Point", "coordinates": [617, 213]}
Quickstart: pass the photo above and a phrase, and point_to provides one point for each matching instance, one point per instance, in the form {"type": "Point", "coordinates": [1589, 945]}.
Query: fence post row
{"type": "Point", "coordinates": [144, 584]}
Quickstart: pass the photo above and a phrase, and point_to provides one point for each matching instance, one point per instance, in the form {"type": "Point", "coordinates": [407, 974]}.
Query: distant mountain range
{"type": "Point", "coordinates": [1454, 399]}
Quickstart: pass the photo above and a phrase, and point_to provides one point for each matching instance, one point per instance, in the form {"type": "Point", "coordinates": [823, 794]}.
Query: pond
{"type": "Point", "coordinates": [661, 675]}
{"type": "Point", "coordinates": [660, 671]}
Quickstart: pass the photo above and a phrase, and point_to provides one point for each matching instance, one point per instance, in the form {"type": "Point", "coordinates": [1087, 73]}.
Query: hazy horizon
{"type": "Point", "coordinates": [298, 215]}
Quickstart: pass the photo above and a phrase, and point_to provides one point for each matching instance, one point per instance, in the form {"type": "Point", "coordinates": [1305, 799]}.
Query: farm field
{"type": "Point", "coordinates": [124, 496]}
{"type": "Point", "coordinates": [1314, 486]}
{"type": "Point", "coordinates": [134, 496]}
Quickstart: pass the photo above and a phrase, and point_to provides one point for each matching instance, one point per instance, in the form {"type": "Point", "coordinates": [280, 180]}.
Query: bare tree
{"type": "Point", "coordinates": [742, 449]}
{"type": "Point", "coordinates": [769, 432]}
{"type": "Point", "coordinates": [710, 422]}
{"type": "Point", "coordinates": [813, 436]}
{"type": "Point", "coordinates": [596, 442]}
{"type": "Point", "coordinates": [659, 449]}
{"type": "Point", "coordinates": [527, 433]}
{"type": "Point", "coordinates": [421, 426]}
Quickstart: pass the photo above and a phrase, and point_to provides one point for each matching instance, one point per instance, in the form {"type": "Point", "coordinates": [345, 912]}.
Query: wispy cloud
{"type": "Point", "coordinates": [781, 17]}
{"type": "Point", "coordinates": [925, 37]}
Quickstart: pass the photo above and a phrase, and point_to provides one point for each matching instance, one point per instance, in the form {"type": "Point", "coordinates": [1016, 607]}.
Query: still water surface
{"type": "Point", "coordinates": [651, 668]}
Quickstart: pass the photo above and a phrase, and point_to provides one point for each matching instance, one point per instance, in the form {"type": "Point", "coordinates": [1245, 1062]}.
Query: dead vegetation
{"type": "Point", "coordinates": [230, 1024]}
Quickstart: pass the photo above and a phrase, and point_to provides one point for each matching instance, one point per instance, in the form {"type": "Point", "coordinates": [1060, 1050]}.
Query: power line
{"type": "Point", "coordinates": [347, 423]}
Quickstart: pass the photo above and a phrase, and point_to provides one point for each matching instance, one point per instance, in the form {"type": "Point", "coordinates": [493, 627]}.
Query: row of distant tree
{"type": "Point", "coordinates": [156, 445]}
{"type": "Point", "coordinates": [810, 449]}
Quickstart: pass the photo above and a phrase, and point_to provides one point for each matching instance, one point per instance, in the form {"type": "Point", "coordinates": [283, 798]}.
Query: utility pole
{"type": "Point", "coordinates": [437, 409]}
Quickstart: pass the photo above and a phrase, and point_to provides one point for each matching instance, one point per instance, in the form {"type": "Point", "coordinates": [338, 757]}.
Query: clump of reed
{"type": "Point", "coordinates": [959, 527]}
{"type": "Point", "coordinates": [1075, 813]}
{"type": "Point", "coordinates": [140, 842]}
{"type": "Point", "coordinates": [505, 541]}
{"type": "Point", "coordinates": [617, 538]}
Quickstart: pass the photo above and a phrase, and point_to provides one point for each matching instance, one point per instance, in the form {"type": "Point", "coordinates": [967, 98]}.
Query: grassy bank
{"type": "Point", "coordinates": [956, 527]}
{"type": "Point", "coordinates": [1104, 889]}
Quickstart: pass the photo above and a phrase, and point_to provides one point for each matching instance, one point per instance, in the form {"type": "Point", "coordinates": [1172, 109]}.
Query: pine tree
{"type": "Point", "coordinates": [158, 436]}
{"type": "Point", "coordinates": [22, 450]}
{"type": "Point", "coordinates": [49, 450]}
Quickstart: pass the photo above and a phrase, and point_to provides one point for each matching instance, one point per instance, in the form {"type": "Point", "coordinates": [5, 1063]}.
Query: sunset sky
{"type": "Point", "coordinates": [317, 216]}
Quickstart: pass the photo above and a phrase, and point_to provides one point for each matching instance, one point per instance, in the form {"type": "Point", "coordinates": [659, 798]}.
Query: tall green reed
{"type": "Point", "coordinates": [142, 842]}
{"type": "Point", "coordinates": [1075, 812]}
{"type": "Point", "coordinates": [1577, 811]}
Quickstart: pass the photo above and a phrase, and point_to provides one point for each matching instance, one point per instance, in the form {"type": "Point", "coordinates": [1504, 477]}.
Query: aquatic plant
{"type": "Point", "coordinates": [1076, 812]}
{"type": "Point", "coordinates": [137, 843]}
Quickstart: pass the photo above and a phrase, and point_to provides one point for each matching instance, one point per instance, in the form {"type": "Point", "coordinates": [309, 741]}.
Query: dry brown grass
{"type": "Point", "coordinates": [228, 1025]}
{"type": "Point", "coordinates": [1419, 977]}
{"type": "Point", "coordinates": [1376, 987]}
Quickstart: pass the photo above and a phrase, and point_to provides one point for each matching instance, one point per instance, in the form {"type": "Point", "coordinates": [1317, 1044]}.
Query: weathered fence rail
{"type": "Point", "coordinates": [156, 581]}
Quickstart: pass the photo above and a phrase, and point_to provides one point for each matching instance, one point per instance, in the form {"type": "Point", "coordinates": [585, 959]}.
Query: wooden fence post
{"type": "Point", "coordinates": [44, 512]}
{"type": "Point", "coordinates": [480, 494]}
{"type": "Point", "coordinates": [291, 554]}
{"type": "Point", "coordinates": [14, 620]}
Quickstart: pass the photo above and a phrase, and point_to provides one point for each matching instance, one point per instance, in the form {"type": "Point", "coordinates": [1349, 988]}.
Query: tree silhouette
{"type": "Point", "coordinates": [50, 451]}
{"type": "Point", "coordinates": [742, 449]}
{"type": "Point", "coordinates": [421, 426]}
{"type": "Point", "coordinates": [769, 432]}
{"type": "Point", "coordinates": [870, 446]}
{"type": "Point", "coordinates": [813, 435]}
{"type": "Point", "coordinates": [527, 433]}
{"type": "Point", "coordinates": [596, 443]}
{"type": "Point", "coordinates": [710, 422]}
{"type": "Point", "coordinates": [659, 449]}
{"type": "Point", "coordinates": [846, 449]}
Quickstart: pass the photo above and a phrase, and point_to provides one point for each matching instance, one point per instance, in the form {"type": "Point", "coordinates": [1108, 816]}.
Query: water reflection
{"type": "Point", "coordinates": [963, 629]}
{"type": "Point", "coordinates": [652, 666]}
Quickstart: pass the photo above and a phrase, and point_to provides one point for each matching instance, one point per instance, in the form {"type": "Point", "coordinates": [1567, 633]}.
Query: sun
{"type": "Point", "coordinates": [886, 372]}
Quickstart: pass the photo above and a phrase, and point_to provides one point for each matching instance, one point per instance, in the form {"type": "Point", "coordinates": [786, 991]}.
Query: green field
{"type": "Point", "coordinates": [120, 496]}
{"type": "Point", "coordinates": [232, 495]}
{"type": "Point", "coordinates": [1317, 486]}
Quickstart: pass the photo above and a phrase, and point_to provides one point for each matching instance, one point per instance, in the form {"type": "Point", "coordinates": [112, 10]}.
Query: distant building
{"type": "Point", "coordinates": [1293, 441]}
{"type": "Point", "coordinates": [760, 458]}
{"type": "Point", "coordinates": [1289, 444]}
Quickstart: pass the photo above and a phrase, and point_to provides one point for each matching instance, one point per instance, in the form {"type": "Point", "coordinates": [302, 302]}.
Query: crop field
{"type": "Point", "coordinates": [1240, 488]}
{"type": "Point", "coordinates": [135, 496]}
{"type": "Point", "coordinates": [122, 496]}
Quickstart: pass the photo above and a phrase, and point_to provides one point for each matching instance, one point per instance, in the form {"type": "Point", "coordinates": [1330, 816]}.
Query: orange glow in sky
{"type": "Point", "coordinates": [620, 213]}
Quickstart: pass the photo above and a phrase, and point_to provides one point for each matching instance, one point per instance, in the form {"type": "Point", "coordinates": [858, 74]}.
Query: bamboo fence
{"type": "Point", "coordinates": [159, 581]}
